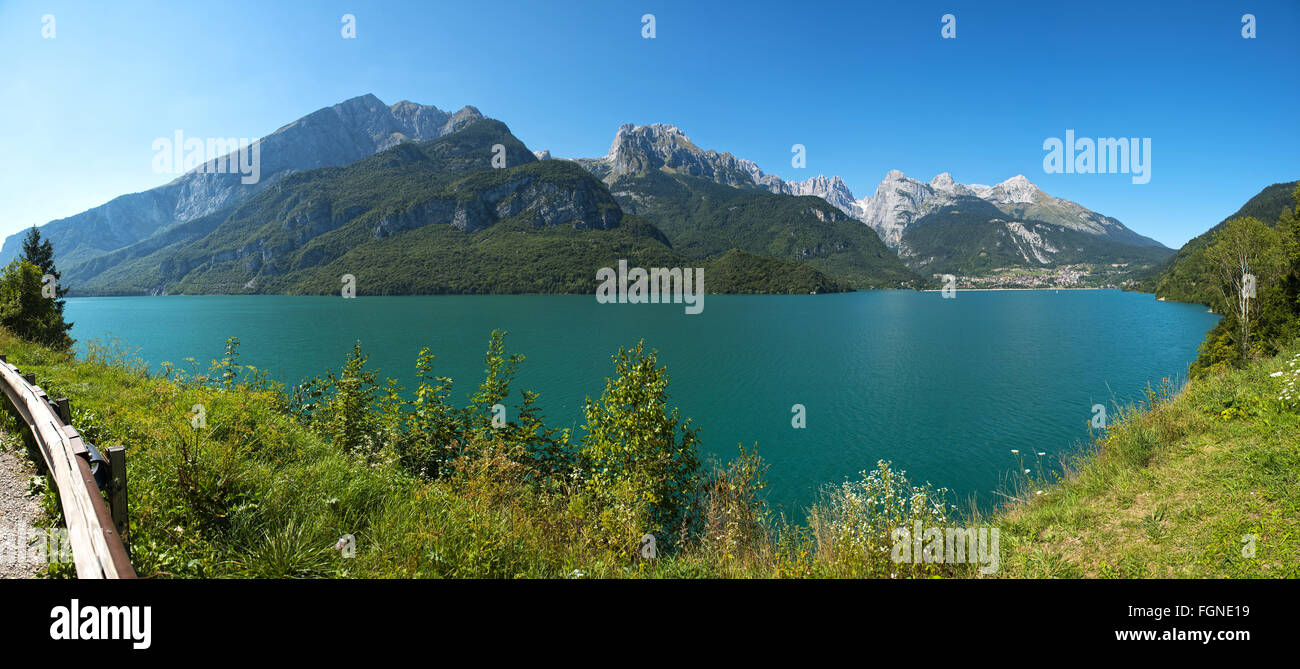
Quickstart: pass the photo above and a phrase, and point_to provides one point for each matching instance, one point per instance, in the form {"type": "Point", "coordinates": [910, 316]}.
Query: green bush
{"type": "Point", "coordinates": [28, 313]}
{"type": "Point", "coordinates": [639, 458]}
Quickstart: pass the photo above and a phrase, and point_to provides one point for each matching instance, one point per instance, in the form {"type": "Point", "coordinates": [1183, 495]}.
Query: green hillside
{"type": "Point", "coordinates": [972, 237]}
{"type": "Point", "coordinates": [1184, 277]}
{"type": "Point", "coordinates": [739, 271]}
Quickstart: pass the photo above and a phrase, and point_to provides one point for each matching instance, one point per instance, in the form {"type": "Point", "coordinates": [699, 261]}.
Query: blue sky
{"type": "Point", "coordinates": [865, 88]}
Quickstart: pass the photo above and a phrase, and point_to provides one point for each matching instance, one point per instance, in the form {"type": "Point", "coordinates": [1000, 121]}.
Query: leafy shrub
{"type": "Point", "coordinates": [640, 458]}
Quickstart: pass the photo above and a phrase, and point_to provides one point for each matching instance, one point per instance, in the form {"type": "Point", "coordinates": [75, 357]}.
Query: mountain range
{"type": "Point", "coordinates": [898, 204]}
{"type": "Point", "coordinates": [432, 216]}
{"type": "Point", "coordinates": [412, 193]}
{"type": "Point", "coordinates": [337, 135]}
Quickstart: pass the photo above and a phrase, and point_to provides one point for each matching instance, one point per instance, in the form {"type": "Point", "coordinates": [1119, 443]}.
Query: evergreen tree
{"type": "Point", "coordinates": [40, 252]}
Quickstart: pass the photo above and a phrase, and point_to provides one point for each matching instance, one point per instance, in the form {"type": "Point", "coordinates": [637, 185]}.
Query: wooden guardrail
{"type": "Point", "coordinates": [97, 547]}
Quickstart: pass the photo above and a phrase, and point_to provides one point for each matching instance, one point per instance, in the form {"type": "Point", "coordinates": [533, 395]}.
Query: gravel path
{"type": "Point", "coordinates": [18, 510]}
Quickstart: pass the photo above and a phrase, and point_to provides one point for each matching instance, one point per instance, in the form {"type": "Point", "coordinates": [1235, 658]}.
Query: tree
{"type": "Point", "coordinates": [635, 446]}
{"type": "Point", "coordinates": [433, 434]}
{"type": "Point", "coordinates": [499, 372]}
{"type": "Point", "coordinates": [1246, 257]}
{"type": "Point", "coordinates": [433, 428]}
{"type": "Point", "coordinates": [26, 311]}
{"type": "Point", "coordinates": [40, 252]}
{"type": "Point", "coordinates": [37, 251]}
{"type": "Point", "coordinates": [544, 450]}
{"type": "Point", "coordinates": [349, 421]}
{"type": "Point", "coordinates": [1289, 225]}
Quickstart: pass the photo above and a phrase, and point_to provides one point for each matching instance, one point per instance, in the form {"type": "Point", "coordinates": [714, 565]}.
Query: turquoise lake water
{"type": "Point", "coordinates": [944, 388]}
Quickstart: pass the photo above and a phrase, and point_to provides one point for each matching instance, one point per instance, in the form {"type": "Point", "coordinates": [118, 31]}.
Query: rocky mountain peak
{"type": "Point", "coordinates": [1017, 189]}
{"type": "Point", "coordinates": [832, 189]}
{"type": "Point", "coordinates": [640, 148]}
{"type": "Point", "coordinates": [657, 137]}
{"type": "Point", "coordinates": [465, 116]}
{"type": "Point", "coordinates": [364, 101]}
{"type": "Point", "coordinates": [468, 113]}
{"type": "Point", "coordinates": [401, 106]}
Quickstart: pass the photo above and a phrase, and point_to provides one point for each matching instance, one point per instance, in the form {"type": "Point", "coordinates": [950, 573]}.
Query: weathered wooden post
{"type": "Point", "coordinates": [65, 410]}
{"type": "Point", "coordinates": [117, 493]}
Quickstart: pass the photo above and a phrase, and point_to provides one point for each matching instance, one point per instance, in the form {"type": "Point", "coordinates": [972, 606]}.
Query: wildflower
{"type": "Point", "coordinates": [1016, 452]}
{"type": "Point", "coordinates": [1039, 492]}
{"type": "Point", "coordinates": [1276, 374]}
{"type": "Point", "coordinates": [1026, 471]}
{"type": "Point", "coordinates": [1040, 453]}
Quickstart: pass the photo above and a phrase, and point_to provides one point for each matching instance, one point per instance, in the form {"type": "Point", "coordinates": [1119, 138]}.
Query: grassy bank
{"type": "Point", "coordinates": [1176, 490]}
{"type": "Point", "coordinates": [275, 478]}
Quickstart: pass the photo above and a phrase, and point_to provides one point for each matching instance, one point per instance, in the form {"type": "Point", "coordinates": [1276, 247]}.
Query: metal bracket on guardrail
{"type": "Point", "coordinates": [99, 466]}
{"type": "Point", "coordinates": [117, 493]}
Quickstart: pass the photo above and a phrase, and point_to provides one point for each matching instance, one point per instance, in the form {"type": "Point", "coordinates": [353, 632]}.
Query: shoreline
{"type": "Point", "coordinates": [844, 292]}
{"type": "Point", "coordinates": [971, 290]}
